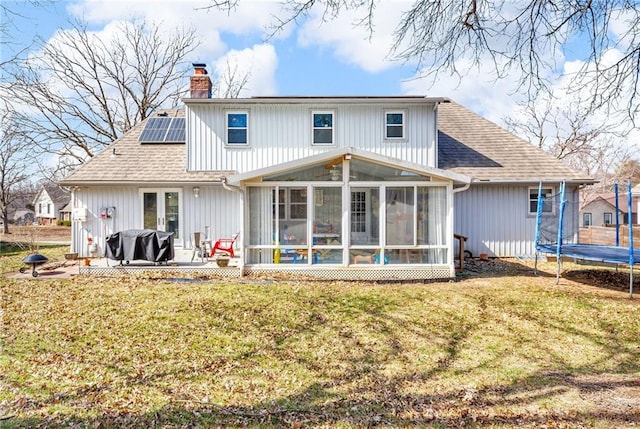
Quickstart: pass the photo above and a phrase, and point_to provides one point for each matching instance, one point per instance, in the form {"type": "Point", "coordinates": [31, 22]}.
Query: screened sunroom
{"type": "Point", "coordinates": [349, 210]}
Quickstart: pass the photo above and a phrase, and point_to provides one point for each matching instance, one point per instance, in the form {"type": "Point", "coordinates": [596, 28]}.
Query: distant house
{"type": "Point", "coordinates": [635, 192]}
{"type": "Point", "coordinates": [65, 212]}
{"type": "Point", "coordinates": [23, 217]}
{"type": "Point", "coordinates": [600, 209]}
{"type": "Point", "coordinates": [48, 202]}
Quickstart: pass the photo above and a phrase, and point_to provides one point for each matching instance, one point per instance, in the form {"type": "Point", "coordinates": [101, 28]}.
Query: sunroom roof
{"type": "Point", "coordinates": [456, 178]}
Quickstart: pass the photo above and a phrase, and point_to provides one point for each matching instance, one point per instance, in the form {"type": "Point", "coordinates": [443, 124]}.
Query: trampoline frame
{"type": "Point", "coordinates": [589, 252]}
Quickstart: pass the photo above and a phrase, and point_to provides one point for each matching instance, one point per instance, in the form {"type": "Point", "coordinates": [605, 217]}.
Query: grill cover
{"type": "Point", "coordinates": [145, 244]}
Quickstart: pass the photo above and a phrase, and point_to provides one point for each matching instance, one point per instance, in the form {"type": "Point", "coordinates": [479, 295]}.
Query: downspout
{"type": "Point", "coordinates": [233, 188]}
{"type": "Point", "coordinates": [435, 135]}
{"type": "Point", "coordinates": [462, 189]}
{"type": "Point", "coordinates": [455, 191]}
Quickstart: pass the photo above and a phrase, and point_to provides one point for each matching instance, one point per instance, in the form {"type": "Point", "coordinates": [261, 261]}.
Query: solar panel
{"type": "Point", "coordinates": [163, 130]}
{"type": "Point", "coordinates": [176, 131]}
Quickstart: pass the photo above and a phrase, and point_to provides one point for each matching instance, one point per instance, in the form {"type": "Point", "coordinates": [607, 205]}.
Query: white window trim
{"type": "Point", "coordinates": [333, 127]}
{"type": "Point", "coordinates": [536, 188]}
{"type": "Point", "coordinates": [226, 127]}
{"type": "Point", "coordinates": [404, 124]}
{"type": "Point", "coordinates": [604, 218]}
{"type": "Point", "coordinates": [287, 203]}
{"type": "Point", "coordinates": [584, 217]}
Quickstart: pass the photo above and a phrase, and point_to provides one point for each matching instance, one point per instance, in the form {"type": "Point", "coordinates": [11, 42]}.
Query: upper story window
{"type": "Point", "coordinates": [237, 128]}
{"type": "Point", "coordinates": [394, 124]}
{"type": "Point", "coordinates": [323, 127]}
{"type": "Point", "coordinates": [547, 202]}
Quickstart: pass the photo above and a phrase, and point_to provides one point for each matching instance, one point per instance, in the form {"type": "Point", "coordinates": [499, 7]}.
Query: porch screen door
{"type": "Point", "coordinates": [161, 211]}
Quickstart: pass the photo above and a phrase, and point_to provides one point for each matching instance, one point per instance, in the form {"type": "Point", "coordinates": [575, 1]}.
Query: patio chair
{"type": "Point", "coordinates": [225, 245]}
{"type": "Point", "coordinates": [199, 246]}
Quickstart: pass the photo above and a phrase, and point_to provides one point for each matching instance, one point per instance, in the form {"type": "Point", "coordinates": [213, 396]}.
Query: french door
{"type": "Point", "coordinates": [161, 209]}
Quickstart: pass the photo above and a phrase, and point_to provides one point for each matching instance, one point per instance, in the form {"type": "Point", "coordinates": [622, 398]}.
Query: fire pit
{"type": "Point", "coordinates": [33, 260]}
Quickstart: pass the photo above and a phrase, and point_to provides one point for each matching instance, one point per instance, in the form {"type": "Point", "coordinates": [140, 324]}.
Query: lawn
{"type": "Point", "coordinates": [500, 347]}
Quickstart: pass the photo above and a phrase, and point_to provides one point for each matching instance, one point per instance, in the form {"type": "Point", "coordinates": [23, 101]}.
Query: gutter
{"type": "Point", "coordinates": [529, 181]}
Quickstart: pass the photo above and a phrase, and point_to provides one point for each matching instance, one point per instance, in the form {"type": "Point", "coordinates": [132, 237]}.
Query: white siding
{"type": "Point", "coordinates": [216, 207]}
{"type": "Point", "coordinates": [496, 219]}
{"type": "Point", "coordinates": [282, 132]}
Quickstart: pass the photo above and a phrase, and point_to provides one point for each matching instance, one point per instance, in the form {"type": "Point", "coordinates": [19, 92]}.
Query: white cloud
{"type": "Point", "coordinates": [259, 63]}
{"type": "Point", "coordinates": [352, 43]}
{"type": "Point", "coordinates": [249, 18]}
{"type": "Point", "coordinates": [477, 90]}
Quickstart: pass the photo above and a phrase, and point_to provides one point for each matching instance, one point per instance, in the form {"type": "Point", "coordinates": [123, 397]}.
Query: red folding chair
{"type": "Point", "coordinates": [225, 245]}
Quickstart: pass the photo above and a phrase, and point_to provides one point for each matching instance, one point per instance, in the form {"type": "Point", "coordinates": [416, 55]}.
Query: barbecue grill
{"type": "Point", "coordinates": [33, 260]}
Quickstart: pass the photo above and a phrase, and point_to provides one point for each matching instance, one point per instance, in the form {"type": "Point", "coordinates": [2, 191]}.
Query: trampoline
{"type": "Point", "coordinates": [553, 242]}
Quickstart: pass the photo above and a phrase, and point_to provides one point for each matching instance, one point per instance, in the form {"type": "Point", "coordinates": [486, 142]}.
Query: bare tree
{"type": "Point", "coordinates": [8, 25]}
{"type": "Point", "coordinates": [83, 92]}
{"type": "Point", "coordinates": [628, 171]}
{"type": "Point", "coordinates": [230, 81]}
{"type": "Point", "coordinates": [569, 132]}
{"type": "Point", "coordinates": [523, 37]}
{"type": "Point", "coordinates": [15, 160]}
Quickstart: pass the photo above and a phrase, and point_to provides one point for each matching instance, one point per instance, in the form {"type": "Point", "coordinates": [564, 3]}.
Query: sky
{"type": "Point", "coordinates": [309, 58]}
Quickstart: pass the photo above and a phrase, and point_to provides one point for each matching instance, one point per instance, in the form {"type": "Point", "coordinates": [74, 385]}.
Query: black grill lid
{"type": "Point", "coordinates": [35, 258]}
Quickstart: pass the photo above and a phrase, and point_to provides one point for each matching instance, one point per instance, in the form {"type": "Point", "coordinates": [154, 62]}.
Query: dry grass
{"type": "Point", "coordinates": [499, 348]}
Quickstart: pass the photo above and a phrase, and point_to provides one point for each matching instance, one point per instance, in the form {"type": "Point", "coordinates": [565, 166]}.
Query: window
{"type": "Point", "coordinates": [322, 128]}
{"type": "Point", "coordinates": [292, 203]}
{"type": "Point", "coordinates": [608, 218]}
{"type": "Point", "coordinates": [298, 203]}
{"type": "Point", "coordinates": [394, 125]}
{"type": "Point", "coordinates": [586, 219]}
{"type": "Point", "coordinates": [237, 126]}
{"type": "Point", "coordinates": [547, 204]}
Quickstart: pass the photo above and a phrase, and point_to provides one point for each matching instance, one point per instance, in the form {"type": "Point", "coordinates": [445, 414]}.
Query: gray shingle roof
{"type": "Point", "coordinates": [472, 145]}
{"type": "Point", "coordinates": [140, 163]}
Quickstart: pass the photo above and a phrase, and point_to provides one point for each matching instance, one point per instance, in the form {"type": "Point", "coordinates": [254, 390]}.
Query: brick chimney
{"type": "Point", "coordinates": [200, 82]}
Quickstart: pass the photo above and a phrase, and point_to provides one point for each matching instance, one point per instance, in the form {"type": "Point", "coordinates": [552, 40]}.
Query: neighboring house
{"type": "Point", "coordinates": [23, 217]}
{"type": "Point", "coordinates": [65, 212]}
{"type": "Point", "coordinates": [48, 202]}
{"type": "Point", "coordinates": [600, 210]}
{"type": "Point", "coordinates": [372, 187]}
{"type": "Point", "coordinates": [635, 192]}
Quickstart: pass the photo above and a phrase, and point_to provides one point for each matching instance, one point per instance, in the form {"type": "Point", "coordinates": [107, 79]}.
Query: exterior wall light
{"type": "Point", "coordinates": [196, 191]}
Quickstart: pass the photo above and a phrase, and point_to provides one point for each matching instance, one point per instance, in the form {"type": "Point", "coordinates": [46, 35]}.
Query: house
{"type": "Point", "coordinates": [600, 209]}
{"type": "Point", "coordinates": [635, 192]}
{"type": "Point", "coordinates": [23, 217]}
{"type": "Point", "coordinates": [48, 202]}
{"type": "Point", "coordinates": [341, 187]}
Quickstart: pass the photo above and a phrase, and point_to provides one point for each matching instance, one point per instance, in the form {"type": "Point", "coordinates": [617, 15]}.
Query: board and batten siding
{"type": "Point", "coordinates": [496, 220]}
{"type": "Point", "coordinates": [282, 132]}
{"type": "Point", "coordinates": [216, 207]}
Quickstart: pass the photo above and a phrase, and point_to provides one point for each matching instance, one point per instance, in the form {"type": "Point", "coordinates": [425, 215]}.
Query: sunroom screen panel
{"type": "Point", "coordinates": [260, 224]}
